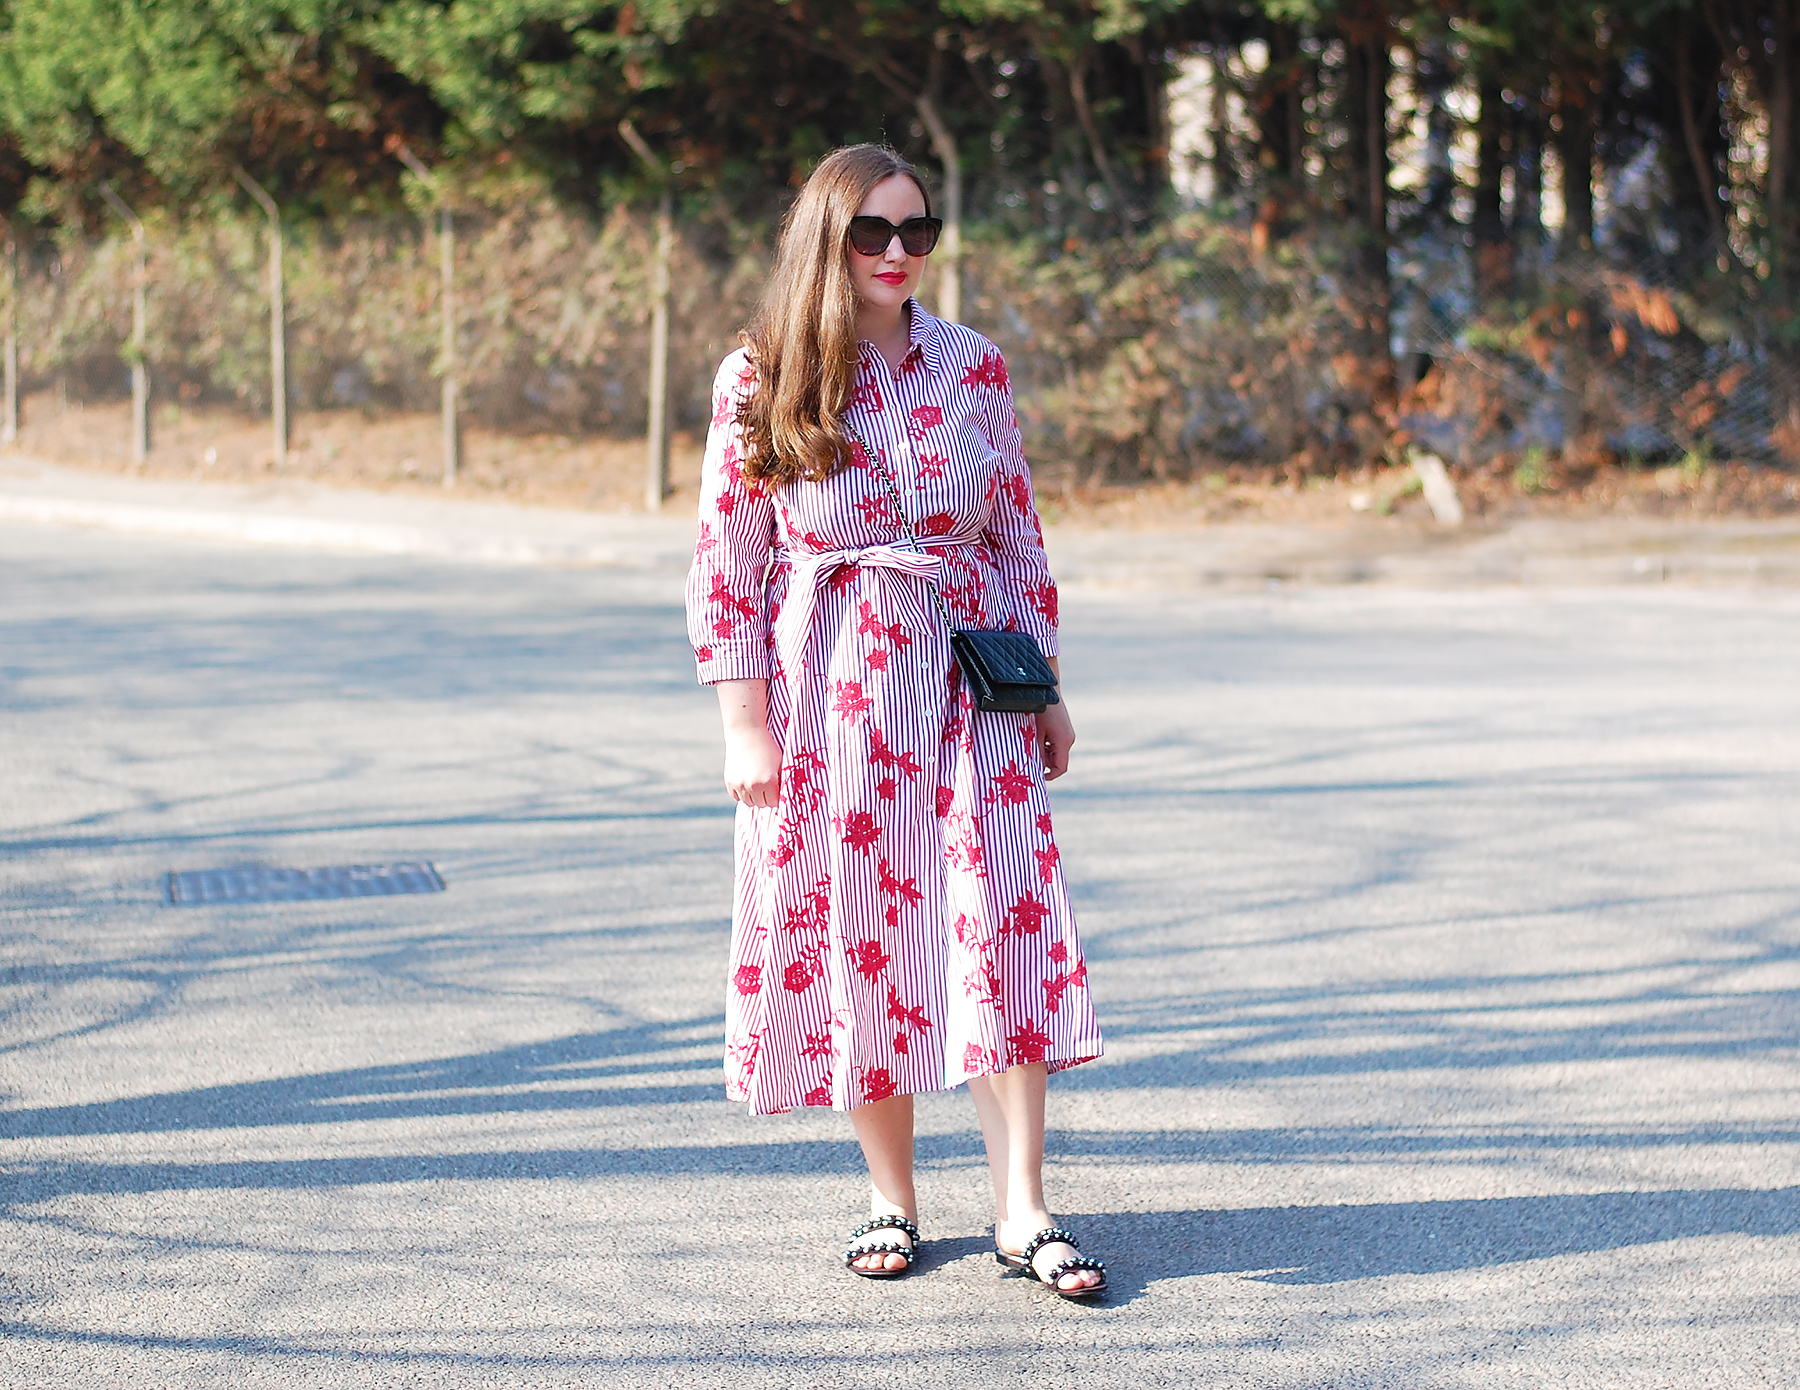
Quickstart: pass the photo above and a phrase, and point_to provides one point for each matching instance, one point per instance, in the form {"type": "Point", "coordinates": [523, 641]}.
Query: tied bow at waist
{"type": "Point", "coordinates": [793, 625]}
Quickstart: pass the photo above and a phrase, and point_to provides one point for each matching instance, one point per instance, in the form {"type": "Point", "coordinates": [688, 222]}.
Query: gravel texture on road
{"type": "Point", "coordinates": [1447, 943]}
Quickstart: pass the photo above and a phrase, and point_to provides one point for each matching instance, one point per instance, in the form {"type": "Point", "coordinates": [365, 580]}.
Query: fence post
{"type": "Point", "coordinates": [447, 306]}
{"type": "Point", "coordinates": [447, 345]}
{"type": "Point", "coordinates": [656, 484]}
{"type": "Point", "coordinates": [9, 413]}
{"type": "Point", "coordinates": [278, 395]}
{"type": "Point", "coordinates": [656, 464]}
{"type": "Point", "coordinates": [140, 369]}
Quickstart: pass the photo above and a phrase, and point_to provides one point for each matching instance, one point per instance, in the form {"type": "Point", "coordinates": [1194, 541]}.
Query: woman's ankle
{"type": "Point", "coordinates": [1016, 1230]}
{"type": "Point", "coordinates": [906, 1204]}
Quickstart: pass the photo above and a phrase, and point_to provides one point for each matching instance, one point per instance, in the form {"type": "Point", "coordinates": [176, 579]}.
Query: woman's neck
{"type": "Point", "coordinates": [891, 332]}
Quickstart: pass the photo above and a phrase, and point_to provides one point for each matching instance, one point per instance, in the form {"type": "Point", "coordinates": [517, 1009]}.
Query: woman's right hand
{"type": "Point", "coordinates": [752, 767]}
{"type": "Point", "coordinates": [752, 757]}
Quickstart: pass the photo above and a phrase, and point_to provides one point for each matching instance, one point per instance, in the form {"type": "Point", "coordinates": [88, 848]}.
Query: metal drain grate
{"type": "Point", "coordinates": [258, 883]}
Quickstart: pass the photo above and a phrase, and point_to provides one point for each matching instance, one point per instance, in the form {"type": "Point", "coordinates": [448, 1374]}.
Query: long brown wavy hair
{"type": "Point", "coordinates": [803, 338]}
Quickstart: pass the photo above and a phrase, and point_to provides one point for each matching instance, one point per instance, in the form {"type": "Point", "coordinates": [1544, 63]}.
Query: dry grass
{"type": "Point", "coordinates": [400, 453]}
{"type": "Point", "coordinates": [345, 448]}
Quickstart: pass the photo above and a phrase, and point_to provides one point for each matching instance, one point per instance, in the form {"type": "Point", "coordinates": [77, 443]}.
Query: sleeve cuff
{"type": "Point", "coordinates": [1044, 635]}
{"type": "Point", "coordinates": [733, 663]}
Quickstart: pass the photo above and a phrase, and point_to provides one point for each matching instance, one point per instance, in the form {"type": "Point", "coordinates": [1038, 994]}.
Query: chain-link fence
{"type": "Point", "coordinates": [1189, 348]}
{"type": "Point", "coordinates": [1592, 358]}
{"type": "Point", "coordinates": [1196, 347]}
{"type": "Point", "coordinates": [552, 313]}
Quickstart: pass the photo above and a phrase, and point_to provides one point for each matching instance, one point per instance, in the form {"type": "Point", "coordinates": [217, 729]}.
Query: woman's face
{"type": "Point", "coordinates": [885, 282]}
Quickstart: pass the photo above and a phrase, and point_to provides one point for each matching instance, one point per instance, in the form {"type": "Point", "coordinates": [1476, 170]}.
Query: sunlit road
{"type": "Point", "coordinates": [1448, 948]}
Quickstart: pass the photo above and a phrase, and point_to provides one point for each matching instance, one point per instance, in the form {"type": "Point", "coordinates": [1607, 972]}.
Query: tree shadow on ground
{"type": "Point", "coordinates": [1338, 1244]}
{"type": "Point", "coordinates": [581, 1072]}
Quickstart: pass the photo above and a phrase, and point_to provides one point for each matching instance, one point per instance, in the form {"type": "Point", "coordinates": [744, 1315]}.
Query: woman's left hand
{"type": "Point", "coordinates": [1056, 735]}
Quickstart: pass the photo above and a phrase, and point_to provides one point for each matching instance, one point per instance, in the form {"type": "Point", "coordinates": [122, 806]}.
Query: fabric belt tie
{"type": "Point", "coordinates": [793, 625]}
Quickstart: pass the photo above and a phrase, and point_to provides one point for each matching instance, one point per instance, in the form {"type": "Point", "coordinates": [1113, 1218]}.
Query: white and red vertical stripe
{"type": "Point", "coordinates": [900, 920]}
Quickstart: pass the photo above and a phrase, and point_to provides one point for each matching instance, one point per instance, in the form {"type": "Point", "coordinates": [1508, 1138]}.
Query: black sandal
{"type": "Point", "coordinates": [1050, 1235]}
{"type": "Point", "coordinates": [887, 1247]}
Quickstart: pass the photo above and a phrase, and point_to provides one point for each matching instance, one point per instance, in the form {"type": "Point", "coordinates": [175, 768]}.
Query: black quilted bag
{"type": "Point", "coordinates": [1006, 671]}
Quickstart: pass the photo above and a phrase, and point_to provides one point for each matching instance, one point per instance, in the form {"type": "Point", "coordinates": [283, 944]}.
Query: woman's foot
{"type": "Point", "coordinates": [882, 1247]}
{"type": "Point", "coordinates": [1012, 1237]}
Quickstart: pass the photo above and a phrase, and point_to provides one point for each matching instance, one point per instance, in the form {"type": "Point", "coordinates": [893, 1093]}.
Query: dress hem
{"type": "Point", "coordinates": [1054, 1064]}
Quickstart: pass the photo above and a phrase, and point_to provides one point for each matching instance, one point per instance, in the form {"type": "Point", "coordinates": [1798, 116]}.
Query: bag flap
{"type": "Point", "coordinates": [1006, 658]}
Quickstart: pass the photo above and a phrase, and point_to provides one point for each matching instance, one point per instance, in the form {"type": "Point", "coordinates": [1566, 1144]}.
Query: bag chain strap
{"type": "Point", "coordinates": [912, 538]}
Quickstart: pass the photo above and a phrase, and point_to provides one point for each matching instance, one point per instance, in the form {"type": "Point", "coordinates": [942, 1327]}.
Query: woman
{"type": "Point", "coordinates": [900, 921]}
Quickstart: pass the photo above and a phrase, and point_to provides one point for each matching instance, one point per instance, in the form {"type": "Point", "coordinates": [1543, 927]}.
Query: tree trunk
{"type": "Point", "coordinates": [949, 251]}
{"type": "Point", "coordinates": [1783, 204]}
{"type": "Point", "coordinates": [1757, 40]}
{"type": "Point", "coordinates": [1697, 109]}
{"type": "Point", "coordinates": [1277, 137]}
{"type": "Point", "coordinates": [1578, 107]}
{"type": "Point", "coordinates": [1493, 250]}
{"type": "Point", "coordinates": [1366, 70]}
{"type": "Point", "coordinates": [1527, 228]}
{"type": "Point", "coordinates": [1434, 77]}
{"type": "Point", "coordinates": [1224, 164]}
{"type": "Point", "coordinates": [1152, 71]}
{"type": "Point", "coordinates": [1084, 113]}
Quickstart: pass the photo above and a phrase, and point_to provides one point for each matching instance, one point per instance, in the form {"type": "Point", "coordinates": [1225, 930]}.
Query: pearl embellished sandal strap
{"type": "Point", "coordinates": [887, 1247]}
{"type": "Point", "coordinates": [1050, 1235]}
{"type": "Point", "coordinates": [1070, 1266]}
{"type": "Point", "coordinates": [882, 1223]}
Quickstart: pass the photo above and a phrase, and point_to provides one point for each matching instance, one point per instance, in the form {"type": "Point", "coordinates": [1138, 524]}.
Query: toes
{"type": "Point", "coordinates": [878, 1260]}
{"type": "Point", "coordinates": [1050, 1256]}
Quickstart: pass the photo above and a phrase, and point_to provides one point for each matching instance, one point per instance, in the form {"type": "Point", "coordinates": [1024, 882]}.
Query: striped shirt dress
{"type": "Point", "coordinates": [900, 921]}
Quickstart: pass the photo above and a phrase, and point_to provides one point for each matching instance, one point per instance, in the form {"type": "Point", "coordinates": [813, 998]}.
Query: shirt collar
{"type": "Point", "coordinates": [925, 330]}
{"type": "Point", "coordinates": [927, 337]}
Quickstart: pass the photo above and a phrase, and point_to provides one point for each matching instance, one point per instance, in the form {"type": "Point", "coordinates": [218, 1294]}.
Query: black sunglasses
{"type": "Point", "coordinates": [870, 236]}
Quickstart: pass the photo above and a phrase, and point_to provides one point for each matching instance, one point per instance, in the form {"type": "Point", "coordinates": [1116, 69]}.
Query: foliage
{"type": "Point", "coordinates": [1357, 150]}
{"type": "Point", "coordinates": [1147, 356]}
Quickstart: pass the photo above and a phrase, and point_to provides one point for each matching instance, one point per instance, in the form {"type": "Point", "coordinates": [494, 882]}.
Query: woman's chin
{"type": "Point", "coordinates": [878, 294]}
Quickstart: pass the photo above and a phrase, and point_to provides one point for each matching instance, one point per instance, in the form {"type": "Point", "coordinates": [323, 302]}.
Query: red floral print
{"type": "Point", "coordinates": [1027, 1043]}
{"type": "Point", "coordinates": [847, 699]}
{"type": "Point", "coordinates": [1027, 916]}
{"type": "Point", "coordinates": [989, 372]}
{"type": "Point", "coordinates": [868, 958]}
{"type": "Point", "coordinates": [859, 831]}
{"type": "Point", "coordinates": [900, 919]}
{"type": "Point", "coordinates": [1013, 785]}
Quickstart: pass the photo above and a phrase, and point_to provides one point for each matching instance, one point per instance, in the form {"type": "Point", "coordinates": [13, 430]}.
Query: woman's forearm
{"type": "Point", "coordinates": [752, 758]}
{"type": "Point", "coordinates": [744, 706]}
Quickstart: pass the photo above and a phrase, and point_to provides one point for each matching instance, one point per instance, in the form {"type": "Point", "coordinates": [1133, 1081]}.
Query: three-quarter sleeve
{"type": "Point", "coordinates": [727, 601]}
{"type": "Point", "coordinates": [1014, 532]}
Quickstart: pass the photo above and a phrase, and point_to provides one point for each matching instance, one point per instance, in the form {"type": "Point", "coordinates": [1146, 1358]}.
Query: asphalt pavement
{"type": "Point", "coordinates": [1447, 942]}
